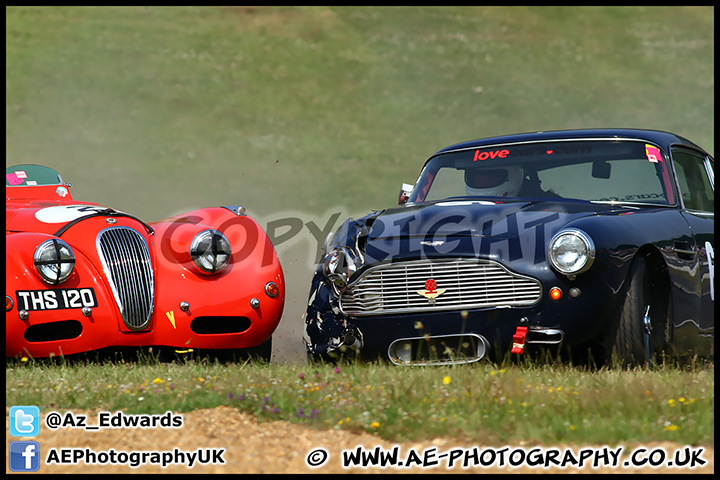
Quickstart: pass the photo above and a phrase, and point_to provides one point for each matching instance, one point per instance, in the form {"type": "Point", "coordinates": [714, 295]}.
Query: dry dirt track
{"type": "Point", "coordinates": [277, 447]}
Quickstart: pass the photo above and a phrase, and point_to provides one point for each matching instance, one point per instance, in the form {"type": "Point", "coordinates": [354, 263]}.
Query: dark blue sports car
{"type": "Point", "coordinates": [596, 244]}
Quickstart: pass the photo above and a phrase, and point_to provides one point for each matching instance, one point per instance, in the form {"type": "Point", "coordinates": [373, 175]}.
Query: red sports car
{"type": "Point", "coordinates": [81, 277]}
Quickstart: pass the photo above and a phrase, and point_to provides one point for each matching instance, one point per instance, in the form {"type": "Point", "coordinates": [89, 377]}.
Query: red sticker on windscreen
{"type": "Point", "coordinates": [653, 153]}
{"type": "Point", "coordinates": [493, 154]}
{"type": "Point", "coordinates": [13, 179]}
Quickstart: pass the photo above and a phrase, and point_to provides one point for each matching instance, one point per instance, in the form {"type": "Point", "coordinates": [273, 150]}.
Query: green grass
{"type": "Point", "coordinates": [518, 404]}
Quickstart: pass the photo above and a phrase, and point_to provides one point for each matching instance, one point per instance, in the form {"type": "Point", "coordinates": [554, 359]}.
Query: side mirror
{"type": "Point", "coordinates": [405, 191]}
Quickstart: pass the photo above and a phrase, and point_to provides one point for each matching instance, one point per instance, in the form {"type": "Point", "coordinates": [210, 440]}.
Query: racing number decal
{"type": "Point", "coordinates": [66, 213]}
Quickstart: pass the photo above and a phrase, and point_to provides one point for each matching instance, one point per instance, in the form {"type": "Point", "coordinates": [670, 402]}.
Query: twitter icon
{"type": "Point", "coordinates": [24, 421]}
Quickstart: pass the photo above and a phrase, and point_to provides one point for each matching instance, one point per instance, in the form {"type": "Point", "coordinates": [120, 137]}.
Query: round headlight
{"type": "Point", "coordinates": [210, 251]}
{"type": "Point", "coordinates": [54, 261]}
{"type": "Point", "coordinates": [571, 252]}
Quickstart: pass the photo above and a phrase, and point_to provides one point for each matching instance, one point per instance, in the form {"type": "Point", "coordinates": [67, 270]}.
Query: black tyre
{"type": "Point", "coordinates": [258, 354]}
{"type": "Point", "coordinates": [642, 325]}
{"type": "Point", "coordinates": [261, 353]}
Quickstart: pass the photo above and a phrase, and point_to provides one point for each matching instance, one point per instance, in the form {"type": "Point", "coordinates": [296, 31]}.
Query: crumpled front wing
{"type": "Point", "coordinates": [326, 326]}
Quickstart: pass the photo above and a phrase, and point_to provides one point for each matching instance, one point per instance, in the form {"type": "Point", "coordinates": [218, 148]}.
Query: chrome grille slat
{"type": "Point", "coordinates": [126, 259]}
{"type": "Point", "coordinates": [469, 283]}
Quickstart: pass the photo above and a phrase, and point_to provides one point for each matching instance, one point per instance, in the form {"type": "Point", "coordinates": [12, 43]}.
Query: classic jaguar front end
{"type": "Point", "coordinates": [81, 277]}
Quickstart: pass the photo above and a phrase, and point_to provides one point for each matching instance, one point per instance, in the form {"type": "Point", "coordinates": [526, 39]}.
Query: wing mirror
{"type": "Point", "coordinates": [405, 191]}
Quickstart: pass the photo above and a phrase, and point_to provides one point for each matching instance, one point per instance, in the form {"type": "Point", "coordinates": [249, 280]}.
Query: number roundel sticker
{"type": "Point", "coordinates": [66, 213]}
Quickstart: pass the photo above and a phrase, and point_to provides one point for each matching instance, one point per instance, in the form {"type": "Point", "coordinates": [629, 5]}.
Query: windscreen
{"type": "Point", "coordinates": [597, 171]}
{"type": "Point", "coordinates": [31, 175]}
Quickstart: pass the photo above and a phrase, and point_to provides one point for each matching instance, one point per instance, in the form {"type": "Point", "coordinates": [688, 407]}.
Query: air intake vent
{"type": "Point", "coordinates": [126, 258]}
{"type": "Point", "coordinates": [401, 287]}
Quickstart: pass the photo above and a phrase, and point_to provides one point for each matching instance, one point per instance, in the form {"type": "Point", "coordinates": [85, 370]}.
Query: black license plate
{"type": "Point", "coordinates": [56, 299]}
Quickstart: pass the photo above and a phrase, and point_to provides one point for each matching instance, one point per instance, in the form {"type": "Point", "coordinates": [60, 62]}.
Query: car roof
{"type": "Point", "coordinates": [661, 138]}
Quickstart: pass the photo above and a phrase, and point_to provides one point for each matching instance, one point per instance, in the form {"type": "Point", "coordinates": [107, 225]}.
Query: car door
{"type": "Point", "coordinates": [696, 182]}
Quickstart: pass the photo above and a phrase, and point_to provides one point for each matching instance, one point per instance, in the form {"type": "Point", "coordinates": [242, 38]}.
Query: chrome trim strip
{"type": "Point", "coordinates": [238, 210]}
{"type": "Point", "coordinates": [552, 336]}
{"type": "Point", "coordinates": [410, 346]}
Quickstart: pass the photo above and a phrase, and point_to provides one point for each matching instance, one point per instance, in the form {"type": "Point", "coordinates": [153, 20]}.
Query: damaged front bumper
{"type": "Point", "coordinates": [440, 338]}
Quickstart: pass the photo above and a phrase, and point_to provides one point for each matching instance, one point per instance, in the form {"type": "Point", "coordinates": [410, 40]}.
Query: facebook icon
{"type": "Point", "coordinates": [24, 456]}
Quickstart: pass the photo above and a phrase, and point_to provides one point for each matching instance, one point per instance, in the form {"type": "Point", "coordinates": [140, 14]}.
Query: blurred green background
{"type": "Point", "coordinates": [154, 110]}
{"type": "Point", "coordinates": [307, 111]}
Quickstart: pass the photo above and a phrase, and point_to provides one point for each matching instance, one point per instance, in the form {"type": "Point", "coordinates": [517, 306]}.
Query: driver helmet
{"type": "Point", "coordinates": [494, 182]}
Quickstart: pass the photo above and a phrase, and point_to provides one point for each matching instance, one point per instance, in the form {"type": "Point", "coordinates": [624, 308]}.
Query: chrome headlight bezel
{"type": "Point", "coordinates": [210, 250]}
{"type": "Point", "coordinates": [339, 265]}
{"type": "Point", "coordinates": [571, 252]}
{"type": "Point", "coordinates": [54, 261]}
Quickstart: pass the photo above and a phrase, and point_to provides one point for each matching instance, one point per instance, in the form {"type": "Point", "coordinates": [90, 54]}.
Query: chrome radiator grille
{"type": "Point", "coordinates": [467, 283]}
{"type": "Point", "coordinates": [126, 259]}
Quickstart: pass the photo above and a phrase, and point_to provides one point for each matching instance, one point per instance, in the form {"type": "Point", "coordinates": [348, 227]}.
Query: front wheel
{"type": "Point", "coordinates": [641, 329]}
